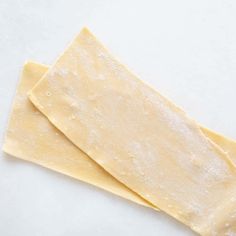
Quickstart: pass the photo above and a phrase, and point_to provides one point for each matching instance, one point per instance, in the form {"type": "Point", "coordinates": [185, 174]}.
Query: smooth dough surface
{"type": "Point", "coordinates": [30, 136]}
{"type": "Point", "coordinates": [139, 137]}
{"type": "Point", "coordinates": [71, 160]}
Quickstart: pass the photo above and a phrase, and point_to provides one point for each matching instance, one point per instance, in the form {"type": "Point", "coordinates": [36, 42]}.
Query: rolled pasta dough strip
{"type": "Point", "coordinates": [227, 144]}
{"type": "Point", "coordinates": [138, 136]}
{"type": "Point", "coordinates": [33, 138]}
{"type": "Point", "coordinates": [30, 136]}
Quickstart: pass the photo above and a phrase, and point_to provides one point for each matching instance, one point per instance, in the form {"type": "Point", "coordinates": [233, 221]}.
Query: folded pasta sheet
{"type": "Point", "coordinates": [139, 137]}
{"type": "Point", "coordinates": [30, 136]}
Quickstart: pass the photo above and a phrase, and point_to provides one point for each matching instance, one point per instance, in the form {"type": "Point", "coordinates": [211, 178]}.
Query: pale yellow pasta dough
{"type": "Point", "coordinates": [70, 160]}
{"type": "Point", "coordinates": [227, 144]}
{"type": "Point", "coordinates": [139, 137]}
{"type": "Point", "coordinates": [30, 136]}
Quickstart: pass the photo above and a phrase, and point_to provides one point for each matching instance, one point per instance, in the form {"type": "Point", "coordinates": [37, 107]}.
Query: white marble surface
{"type": "Point", "coordinates": [186, 49]}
